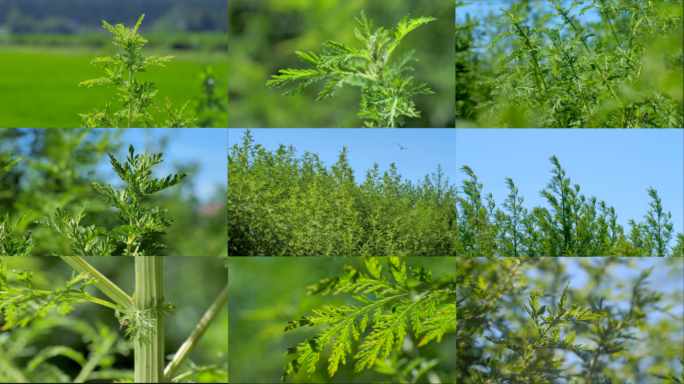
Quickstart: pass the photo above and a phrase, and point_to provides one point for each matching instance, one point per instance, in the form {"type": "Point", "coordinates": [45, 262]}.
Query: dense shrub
{"type": "Point", "coordinates": [282, 205]}
{"type": "Point", "coordinates": [624, 70]}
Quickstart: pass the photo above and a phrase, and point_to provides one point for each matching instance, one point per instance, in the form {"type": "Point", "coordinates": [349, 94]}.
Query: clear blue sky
{"type": "Point", "coordinates": [615, 165]}
{"type": "Point", "coordinates": [428, 148]}
{"type": "Point", "coordinates": [205, 146]}
{"type": "Point", "coordinates": [480, 8]}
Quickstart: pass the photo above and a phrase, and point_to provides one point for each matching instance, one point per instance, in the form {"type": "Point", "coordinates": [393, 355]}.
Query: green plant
{"type": "Point", "coordinates": [8, 244]}
{"type": "Point", "coordinates": [211, 105]}
{"type": "Point", "coordinates": [469, 66]}
{"type": "Point", "coordinates": [425, 303]}
{"type": "Point", "coordinates": [385, 92]}
{"type": "Point", "coordinates": [103, 346]}
{"type": "Point", "coordinates": [143, 317]}
{"type": "Point", "coordinates": [623, 71]}
{"type": "Point", "coordinates": [573, 226]}
{"type": "Point", "coordinates": [500, 339]}
{"type": "Point", "coordinates": [281, 205]}
{"type": "Point", "coordinates": [548, 330]}
{"type": "Point", "coordinates": [135, 96]}
{"type": "Point", "coordinates": [139, 224]}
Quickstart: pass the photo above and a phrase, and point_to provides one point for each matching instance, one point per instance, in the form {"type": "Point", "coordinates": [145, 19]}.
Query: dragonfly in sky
{"type": "Point", "coordinates": [401, 146]}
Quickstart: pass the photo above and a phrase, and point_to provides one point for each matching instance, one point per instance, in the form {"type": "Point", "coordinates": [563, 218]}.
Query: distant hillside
{"type": "Point", "coordinates": [81, 16]}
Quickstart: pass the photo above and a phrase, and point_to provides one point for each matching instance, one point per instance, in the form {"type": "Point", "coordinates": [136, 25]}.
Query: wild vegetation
{"type": "Point", "coordinates": [134, 97]}
{"type": "Point", "coordinates": [545, 68]}
{"type": "Point", "coordinates": [142, 315]}
{"type": "Point", "coordinates": [138, 223]}
{"type": "Point", "coordinates": [281, 205]}
{"type": "Point", "coordinates": [519, 320]}
{"type": "Point", "coordinates": [58, 176]}
{"type": "Point", "coordinates": [414, 296]}
{"type": "Point", "coordinates": [385, 91]}
{"type": "Point", "coordinates": [575, 225]}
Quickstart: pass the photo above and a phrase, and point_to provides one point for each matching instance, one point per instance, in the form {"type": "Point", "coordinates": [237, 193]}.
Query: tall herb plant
{"type": "Point", "coordinates": [281, 205]}
{"type": "Point", "coordinates": [574, 225]}
{"type": "Point", "coordinates": [386, 93]}
{"type": "Point", "coordinates": [412, 296]}
{"type": "Point", "coordinates": [136, 97]}
{"type": "Point", "coordinates": [142, 315]}
{"type": "Point", "coordinates": [139, 225]}
{"type": "Point", "coordinates": [508, 332]}
{"type": "Point", "coordinates": [624, 71]}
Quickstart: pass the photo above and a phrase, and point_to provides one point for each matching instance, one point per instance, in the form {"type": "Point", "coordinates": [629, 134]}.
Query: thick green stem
{"type": "Point", "coordinates": [101, 281]}
{"type": "Point", "coordinates": [149, 289]}
{"type": "Point", "coordinates": [187, 347]}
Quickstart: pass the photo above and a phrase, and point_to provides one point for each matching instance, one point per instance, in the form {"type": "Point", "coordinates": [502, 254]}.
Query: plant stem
{"type": "Point", "coordinates": [598, 68]}
{"type": "Point", "coordinates": [611, 24]}
{"type": "Point", "coordinates": [534, 61]}
{"type": "Point", "coordinates": [130, 98]}
{"type": "Point", "coordinates": [187, 347]}
{"type": "Point", "coordinates": [103, 283]}
{"type": "Point", "coordinates": [149, 289]}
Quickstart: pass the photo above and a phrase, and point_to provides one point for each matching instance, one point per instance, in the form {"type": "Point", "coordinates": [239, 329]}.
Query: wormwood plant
{"type": "Point", "coordinates": [469, 67]}
{"type": "Point", "coordinates": [136, 97]}
{"type": "Point", "coordinates": [8, 244]}
{"type": "Point", "coordinates": [142, 314]}
{"type": "Point", "coordinates": [283, 205]}
{"type": "Point", "coordinates": [622, 71]}
{"type": "Point", "coordinates": [103, 346]}
{"type": "Point", "coordinates": [533, 346]}
{"type": "Point", "coordinates": [139, 224]}
{"type": "Point", "coordinates": [385, 91]}
{"type": "Point", "coordinates": [573, 226]}
{"type": "Point", "coordinates": [427, 304]}
{"type": "Point", "coordinates": [548, 334]}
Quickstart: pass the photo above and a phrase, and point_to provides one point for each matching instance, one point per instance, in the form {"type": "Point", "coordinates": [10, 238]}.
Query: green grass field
{"type": "Point", "coordinates": [39, 87]}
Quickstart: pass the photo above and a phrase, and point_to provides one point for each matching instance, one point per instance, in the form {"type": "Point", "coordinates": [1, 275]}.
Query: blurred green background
{"type": "Point", "coordinates": [191, 284]}
{"type": "Point", "coordinates": [46, 47]}
{"type": "Point", "coordinates": [60, 165]}
{"type": "Point", "coordinates": [264, 35]}
{"type": "Point", "coordinates": [267, 292]}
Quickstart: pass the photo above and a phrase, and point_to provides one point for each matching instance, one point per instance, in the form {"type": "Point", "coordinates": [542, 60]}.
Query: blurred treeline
{"type": "Point", "coordinates": [281, 205]}
{"type": "Point", "coordinates": [79, 16]}
{"type": "Point", "coordinates": [494, 78]}
{"type": "Point", "coordinates": [89, 323]}
{"type": "Point", "coordinates": [638, 336]}
{"type": "Point", "coordinates": [57, 172]}
{"type": "Point", "coordinates": [267, 293]}
{"type": "Point", "coordinates": [264, 35]}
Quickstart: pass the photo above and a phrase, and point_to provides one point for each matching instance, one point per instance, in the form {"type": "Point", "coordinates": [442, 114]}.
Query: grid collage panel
{"type": "Point", "coordinates": [571, 242]}
{"type": "Point", "coordinates": [112, 143]}
{"type": "Point", "coordinates": [341, 232]}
